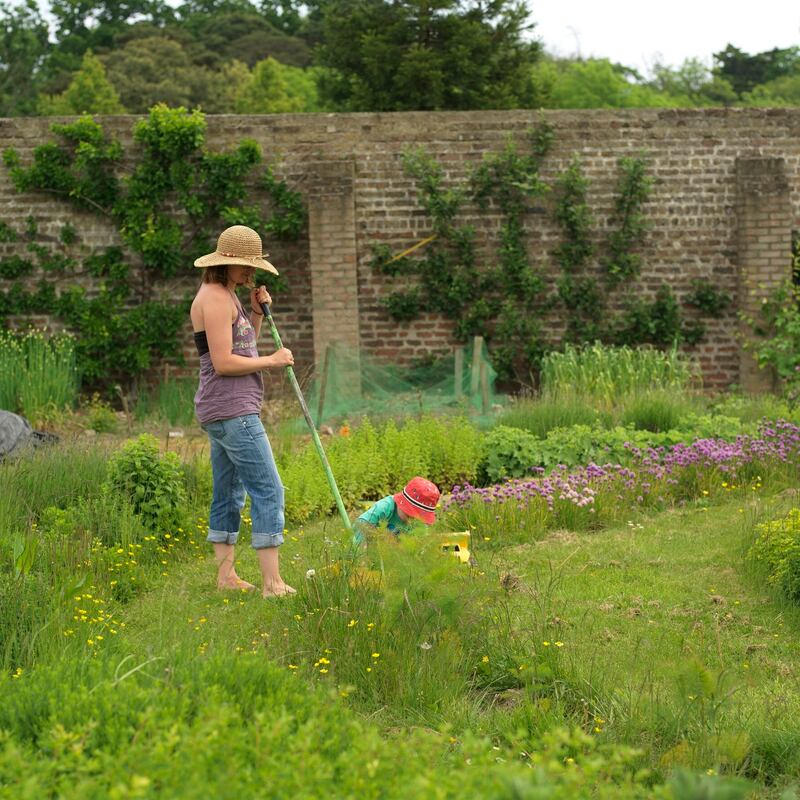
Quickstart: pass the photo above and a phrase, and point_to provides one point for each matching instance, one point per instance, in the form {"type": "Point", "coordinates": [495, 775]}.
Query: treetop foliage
{"type": "Point", "coordinates": [272, 56]}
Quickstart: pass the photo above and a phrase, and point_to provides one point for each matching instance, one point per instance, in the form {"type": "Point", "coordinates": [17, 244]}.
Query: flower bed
{"type": "Point", "coordinates": [590, 496]}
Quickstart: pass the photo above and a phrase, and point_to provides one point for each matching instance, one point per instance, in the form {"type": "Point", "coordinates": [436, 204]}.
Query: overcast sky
{"type": "Point", "coordinates": [638, 32]}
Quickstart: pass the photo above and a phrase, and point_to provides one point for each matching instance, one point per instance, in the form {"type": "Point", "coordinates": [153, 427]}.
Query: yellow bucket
{"type": "Point", "coordinates": [457, 544]}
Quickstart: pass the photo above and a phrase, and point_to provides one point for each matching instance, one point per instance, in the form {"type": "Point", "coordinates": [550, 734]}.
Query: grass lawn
{"type": "Point", "coordinates": [656, 634]}
{"type": "Point", "coordinates": [598, 661]}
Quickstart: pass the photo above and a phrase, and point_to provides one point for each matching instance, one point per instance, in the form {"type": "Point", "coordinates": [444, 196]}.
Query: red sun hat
{"type": "Point", "coordinates": [419, 500]}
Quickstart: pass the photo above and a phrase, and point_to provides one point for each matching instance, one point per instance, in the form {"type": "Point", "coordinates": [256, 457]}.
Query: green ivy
{"type": "Point", "coordinates": [623, 263]}
{"type": "Point", "coordinates": [658, 321]}
{"type": "Point", "coordinates": [499, 301]}
{"type": "Point", "coordinates": [580, 294]}
{"type": "Point", "coordinates": [167, 210]}
{"type": "Point", "coordinates": [403, 305]}
{"type": "Point", "coordinates": [778, 336]}
{"type": "Point", "coordinates": [7, 233]}
{"type": "Point", "coordinates": [504, 301]}
{"type": "Point", "coordinates": [708, 299]}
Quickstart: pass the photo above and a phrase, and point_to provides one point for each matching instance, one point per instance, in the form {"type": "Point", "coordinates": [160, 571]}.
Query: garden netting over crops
{"type": "Point", "coordinates": [349, 384]}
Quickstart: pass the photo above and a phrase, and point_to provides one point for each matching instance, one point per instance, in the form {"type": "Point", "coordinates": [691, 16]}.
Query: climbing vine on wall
{"type": "Point", "coordinates": [579, 292]}
{"type": "Point", "coordinates": [500, 299]}
{"type": "Point", "coordinates": [506, 299]}
{"type": "Point", "coordinates": [660, 320]}
{"type": "Point", "coordinates": [628, 221]}
{"type": "Point", "coordinates": [167, 210]}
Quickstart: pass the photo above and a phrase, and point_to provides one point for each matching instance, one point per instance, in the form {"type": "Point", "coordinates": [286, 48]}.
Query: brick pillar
{"type": "Point", "coordinates": [764, 225]}
{"type": "Point", "coordinates": [333, 256]}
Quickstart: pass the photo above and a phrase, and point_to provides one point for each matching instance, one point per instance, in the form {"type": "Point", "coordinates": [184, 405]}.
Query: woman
{"type": "Point", "coordinates": [228, 404]}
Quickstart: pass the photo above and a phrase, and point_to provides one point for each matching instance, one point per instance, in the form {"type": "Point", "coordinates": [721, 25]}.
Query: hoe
{"type": "Point", "coordinates": [455, 543]}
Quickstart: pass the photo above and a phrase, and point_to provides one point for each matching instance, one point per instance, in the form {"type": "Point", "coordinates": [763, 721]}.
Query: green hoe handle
{"type": "Point", "coordinates": [313, 428]}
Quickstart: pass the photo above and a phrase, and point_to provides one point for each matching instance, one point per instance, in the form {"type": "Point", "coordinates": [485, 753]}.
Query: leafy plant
{"type": "Point", "coordinates": [166, 211]}
{"type": "Point", "coordinates": [634, 186]}
{"type": "Point", "coordinates": [707, 298]}
{"type": "Point", "coordinates": [778, 332]}
{"type": "Point", "coordinates": [150, 480]}
{"type": "Point", "coordinates": [607, 374]}
{"type": "Point", "coordinates": [507, 453]}
{"type": "Point", "coordinates": [100, 415]}
{"type": "Point", "coordinates": [778, 548]}
{"type": "Point", "coordinates": [37, 373]}
{"type": "Point", "coordinates": [371, 462]}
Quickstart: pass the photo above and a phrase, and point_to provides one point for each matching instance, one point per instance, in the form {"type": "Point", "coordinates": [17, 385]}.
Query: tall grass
{"type": "Point", "coordinates": [754, 408]}
{"type": "Point", "coordinates": [602, 374]}
{"type": "Point", "coordinates": [171, 401]}
{"type": "Point", "coordinates": [89, 551]}
{"type": "Point", "coordinates": [50, 476]}
{"type": "Point", "coordinates": [657, 411]}
{"type": "Point", "coordinates": [37, 373]}
{"type": "Point", "coordinates": [539, 417]}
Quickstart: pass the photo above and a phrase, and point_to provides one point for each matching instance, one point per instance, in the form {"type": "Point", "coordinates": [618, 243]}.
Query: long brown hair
{"type": "Point", "coordinates": [216, 274]}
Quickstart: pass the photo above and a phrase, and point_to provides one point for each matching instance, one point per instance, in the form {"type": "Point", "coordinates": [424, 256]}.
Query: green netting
{"type": "Point", "coordinates": [350, 384]}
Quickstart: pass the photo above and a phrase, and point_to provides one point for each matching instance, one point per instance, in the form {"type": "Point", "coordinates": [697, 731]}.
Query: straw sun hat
{"type": "Point", "coordinates": [237, 245]}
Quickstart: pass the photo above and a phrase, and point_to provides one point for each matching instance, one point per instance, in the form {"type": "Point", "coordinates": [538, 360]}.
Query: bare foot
{"type": "Point", "coordinates": [278, 590]}
{"type": "Point", "coordinates": [235, 583]}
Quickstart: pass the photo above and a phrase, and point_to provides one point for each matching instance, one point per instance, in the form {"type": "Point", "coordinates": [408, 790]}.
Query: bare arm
{"type": "Point", "coordinates": [217, 323]}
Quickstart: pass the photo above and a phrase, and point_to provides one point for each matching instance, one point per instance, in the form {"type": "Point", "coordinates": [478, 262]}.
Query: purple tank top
{"type": "Point", "coordinates": [227, 396]}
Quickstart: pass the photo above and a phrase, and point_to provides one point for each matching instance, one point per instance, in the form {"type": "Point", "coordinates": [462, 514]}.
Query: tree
{"type": "Point", "coordinates": [395, 55]}
{"type": "Point", "coordinates": [694, 82]}
{"type": "Point", "coordinates": [594, 83]}
{"type": "Point", "coordinates": [284, 15]}
{"type": "Point", "coordinates": [277, 89]}
{"type": "Point", "coordinates": [90, 92]}
{"type": "Point", "coordinates": [154, 70]}
{"type": "Point", "coordinates": [745, 72]}
{"type": "Point", "coordinates": [780, 92]}
{"type": "Point", "coordinates": [225, 86]}
{"type": "Point", "coordinates": [23, 48]}
{"type": "Point", "coordinates": [243, 35]}
{"type": "Point", "coordinates": [95, 25]}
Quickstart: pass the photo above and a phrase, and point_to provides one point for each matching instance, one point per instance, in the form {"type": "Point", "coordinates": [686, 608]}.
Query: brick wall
{"type": "Point", "coordinates": [709, 214]}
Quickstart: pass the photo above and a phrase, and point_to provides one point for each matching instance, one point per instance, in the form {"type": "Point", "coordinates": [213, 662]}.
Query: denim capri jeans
{"type": "Point", "coordinates": [242, 461]}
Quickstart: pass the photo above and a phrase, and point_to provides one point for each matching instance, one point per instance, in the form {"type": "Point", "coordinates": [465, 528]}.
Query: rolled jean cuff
{"type": "Point", "coordinates": [263, 540]}
{"type": "Point", "coordinates": [222, 537]}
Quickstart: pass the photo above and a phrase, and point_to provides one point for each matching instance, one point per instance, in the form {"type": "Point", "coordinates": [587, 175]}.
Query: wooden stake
{"type": "Point", "coordinates": [323, 384]}
{"type": "Point", "coordinates": [485, 387]}
{"type": "Point", "coordinates": [477, 348]}
{"type": "Point", "coordinates": [459, 376]}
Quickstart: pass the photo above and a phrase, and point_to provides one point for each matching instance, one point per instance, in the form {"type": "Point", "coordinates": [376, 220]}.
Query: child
{"type": "Point", "coordinates": [417, 500]}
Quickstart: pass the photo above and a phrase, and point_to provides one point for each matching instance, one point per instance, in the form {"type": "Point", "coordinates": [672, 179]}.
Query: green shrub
{"type": "Point", "coordinates": [371, 462]}
{"type": "Point", "coordinates": [508, 453]}
{"type": "Point", "coordinates": [100, 415]}
{"type": "Point", "coordinates": [150, 480]}
{"type": "Point", "coordinates": [656, 411]}
{"type": "Point", "coordinates": [778, 548]}
{"type": "Point", "coordinates": [117, 730]}
{"type": "Point", "coordinates": [539, 417]}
